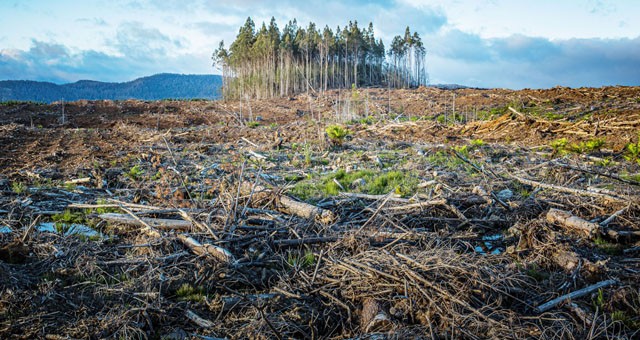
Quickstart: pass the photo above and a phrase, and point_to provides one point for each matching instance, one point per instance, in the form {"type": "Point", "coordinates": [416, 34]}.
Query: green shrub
{"type": "Point", "coordinates": [633, 151]}
{"type": "Point", "coordinates": [336, 134]}
{"type": "Point", "coordinates": [477, 142]}
{"type": "Point", "coordinates": [18, 188]}
{"type": "Point", "coordinates": [135, 172]}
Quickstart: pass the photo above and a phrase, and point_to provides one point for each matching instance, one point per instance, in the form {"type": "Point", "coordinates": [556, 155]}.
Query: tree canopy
{"type": "Point", "coordinates": [269, 62]}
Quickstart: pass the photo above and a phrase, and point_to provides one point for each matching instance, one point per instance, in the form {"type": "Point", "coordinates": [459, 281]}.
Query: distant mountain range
{"type": "Point", "coordinates": [159, 86]}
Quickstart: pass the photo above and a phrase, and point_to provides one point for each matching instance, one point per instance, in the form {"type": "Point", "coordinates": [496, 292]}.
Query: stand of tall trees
{"type": "Point", "coordinates": [269, 62]}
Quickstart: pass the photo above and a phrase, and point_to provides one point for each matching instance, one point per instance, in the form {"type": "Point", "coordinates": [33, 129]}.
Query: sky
{"type": "Point", "coordinates": [482, 43]}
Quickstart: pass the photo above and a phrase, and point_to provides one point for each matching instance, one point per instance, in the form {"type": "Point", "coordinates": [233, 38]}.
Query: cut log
{"type": "Point", "coordinates": [207, 249]}
{"type": "Point", "coordinates": [569, 221]}
{"type": "Point", "coordinates": [374, 318]}
{"type": "Point", "coordinates": [159, 223]}
{"type": "Point", "coordinates": [290, 206]}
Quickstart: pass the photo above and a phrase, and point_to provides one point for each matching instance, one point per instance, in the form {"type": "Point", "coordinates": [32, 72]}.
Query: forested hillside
{"type": "Point", "coordinates": [160, 86]}
{"type": "Point", "coordinates": [268, 62]}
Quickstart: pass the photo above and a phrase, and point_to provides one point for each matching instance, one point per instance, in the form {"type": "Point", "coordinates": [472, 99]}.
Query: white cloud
{"type": "Point", "coordinates": [510, 43]}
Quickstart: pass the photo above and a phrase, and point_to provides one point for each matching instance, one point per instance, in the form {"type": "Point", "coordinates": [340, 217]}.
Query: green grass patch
{"type": "Point", "coordinates": [607, 247]}
{"type": "Point", "coordinates": [187, 292]}
{"type": "Point", "coordinates": [297, 260]}
{"type": "Point", "coordinates": [552, 115]}
{"type": "Point", "coordinates": [368, 120]}
{"type": "Point", "coordinates": [375, 183]}
{"type": "Point", "coordinates": [477, 142]}
{"type": "Point", "coordinates": [563, 147]}
{"type": "Point", "coordinates": [253, 124]}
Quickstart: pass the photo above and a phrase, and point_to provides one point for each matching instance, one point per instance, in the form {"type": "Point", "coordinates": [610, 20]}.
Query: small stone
{"type": "Point", "coordinates": [505, 195]}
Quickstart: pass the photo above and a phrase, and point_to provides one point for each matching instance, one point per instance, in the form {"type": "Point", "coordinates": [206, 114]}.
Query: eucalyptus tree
{"type": "Point", "coordinates": [270, 62]}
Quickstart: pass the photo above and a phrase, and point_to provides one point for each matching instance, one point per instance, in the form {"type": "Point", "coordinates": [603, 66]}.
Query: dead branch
{"type": "Point", "coordinates": [574, 295]}
{"type": "Point", "coordinates": [160, 223]}
{"type": "Point", "coordinates": [579, 192]}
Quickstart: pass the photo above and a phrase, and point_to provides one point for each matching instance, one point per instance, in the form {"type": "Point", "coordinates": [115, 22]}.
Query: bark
{"type": "Point", "coordinates": [569, 221]}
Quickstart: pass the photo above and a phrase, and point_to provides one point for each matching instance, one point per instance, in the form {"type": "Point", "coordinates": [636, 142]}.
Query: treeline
{"type": "Point", "coordinates": [269, 62]}
{"type": "Point", "coordinates": [159, 86]}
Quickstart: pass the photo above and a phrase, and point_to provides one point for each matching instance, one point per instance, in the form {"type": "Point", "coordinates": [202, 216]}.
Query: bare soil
{"type": "Point", "coordinates": [458, 241]}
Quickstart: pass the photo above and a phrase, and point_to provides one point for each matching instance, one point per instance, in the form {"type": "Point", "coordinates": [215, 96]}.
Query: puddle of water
{"type": "Point", "coordinates": [69, 229]}
{"type": "Point", "coordinates": [488, 246]}
{"type": "Point", "coordinates": [5, 230]}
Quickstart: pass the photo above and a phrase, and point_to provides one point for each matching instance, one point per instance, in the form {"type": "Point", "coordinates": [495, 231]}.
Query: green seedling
{"type": "Point", "coordinates": [337, 134]}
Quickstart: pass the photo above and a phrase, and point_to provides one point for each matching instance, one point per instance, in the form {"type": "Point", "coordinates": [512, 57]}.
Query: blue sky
{"type": "Point", "coordinates": [486, 43]}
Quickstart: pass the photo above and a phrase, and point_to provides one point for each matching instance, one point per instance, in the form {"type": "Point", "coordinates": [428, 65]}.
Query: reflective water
{"type": "Point", "coordinates": [488, 245]}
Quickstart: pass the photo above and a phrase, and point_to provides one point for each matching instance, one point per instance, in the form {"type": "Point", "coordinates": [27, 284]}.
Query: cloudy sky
{"type": "Point", "coordinates": [486, 43]}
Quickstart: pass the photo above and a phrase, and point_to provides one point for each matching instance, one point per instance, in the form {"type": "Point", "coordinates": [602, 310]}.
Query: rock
{"type": "Point", "coordinates": [505, 195]}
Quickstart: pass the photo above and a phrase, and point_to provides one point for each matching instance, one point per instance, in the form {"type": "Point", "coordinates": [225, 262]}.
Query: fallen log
{"type": "Point", "coordinates": [290, 206]}
{"type": "Point", "coordinates": [569, 221]}
{"type": "Point", "coordinates": [574, 295]}
{"type": "Point", "coordinates": [159, 223]}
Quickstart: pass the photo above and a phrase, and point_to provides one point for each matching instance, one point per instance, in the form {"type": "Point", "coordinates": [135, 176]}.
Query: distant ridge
{"type": "Point", "coordinates": [159, 86]}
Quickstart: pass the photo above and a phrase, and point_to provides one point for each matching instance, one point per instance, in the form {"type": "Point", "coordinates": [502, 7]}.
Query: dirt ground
{"type": "Point", "coordinates": [442, 214]}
